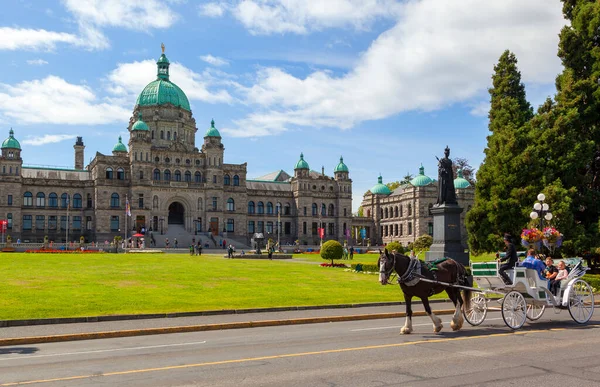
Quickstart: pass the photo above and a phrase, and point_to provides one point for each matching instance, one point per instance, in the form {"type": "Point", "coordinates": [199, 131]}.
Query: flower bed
{"type": "Point", "coordinates": [333, 265]}
{"type": "Point", "coordinates": [54, 251]}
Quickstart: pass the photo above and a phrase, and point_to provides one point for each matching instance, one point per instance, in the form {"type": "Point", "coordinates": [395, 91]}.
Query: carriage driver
{"type": "Point", "coordinates": [510, 258]}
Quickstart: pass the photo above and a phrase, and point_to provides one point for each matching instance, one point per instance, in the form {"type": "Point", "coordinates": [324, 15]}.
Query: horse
{"type": "Point", "coordinates": [448, 271]}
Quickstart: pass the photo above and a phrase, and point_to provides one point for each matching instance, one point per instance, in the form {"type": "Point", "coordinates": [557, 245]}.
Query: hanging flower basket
{"type": "Point", "coordinates": [552, 238]}
{"type": "Point", "coordinates": [531, 237]}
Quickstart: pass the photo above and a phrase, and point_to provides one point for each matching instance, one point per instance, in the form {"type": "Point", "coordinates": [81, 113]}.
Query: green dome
{"type": "Point", "coordinates": [212, 131]}
{"type": "Point", "coordinates": [120, 147]}
{"type": "Point", "coordinates": [139, 124]}
{"type": "Point", "coordinates": [162, 90]}
{"type": "Point", "coordinates": [301, 164]}
{"type": "Point", "coordinates": [421, 180]}
{"type": "Point", "coordinates": [460, 182]}
{"type": "Point", "coordinates": [341, 167]}
{"type": "Point", "coordinates": [11, 142]}
{"type": "Point", "coordinates": [380, 188]}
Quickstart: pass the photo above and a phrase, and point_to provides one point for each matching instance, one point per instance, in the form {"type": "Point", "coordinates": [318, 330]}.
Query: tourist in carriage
{"type": "Point", "coordinates": [563, 273]}
{"type": "Point", "coordinates": [510, 258]}
{"type": "Point", "coordinates": [531, 262]}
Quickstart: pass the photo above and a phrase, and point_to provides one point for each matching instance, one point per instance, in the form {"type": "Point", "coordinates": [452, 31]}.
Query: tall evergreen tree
{"type": "Point", "coordinates": [501, 184]}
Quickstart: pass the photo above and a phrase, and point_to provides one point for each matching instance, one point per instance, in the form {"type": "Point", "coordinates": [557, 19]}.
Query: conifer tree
{"type": "Point", "coordinates": [501, 184]}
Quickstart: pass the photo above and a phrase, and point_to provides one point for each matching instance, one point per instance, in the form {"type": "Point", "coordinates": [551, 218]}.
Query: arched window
{"type": "Point", "coordinates": [314, 209]}
{"type": "Point", "coordinates": [199, 204]}
{"type": "Point", "coordinates": [330, 212]}
{"type": "Point", "coordinates": [226, 180]}
{"type": "Point", "coordinates": [269, 208]}
{"type": "Point", "coordinates": [188, 176]}
{"type": "Point", "coordinates": [120, 174]}
{"type": "Point", "coordinates": [177, 175]}
{"type": "Point", "coordinates": [168, 135]}
{"type": "Point", "coordinates": [174, 135]}
{"type": "Point", "coordinates": [230, 225]}
{"type": "Point", "coordinates": [155, 202]}
{"type": "Point", "coordinates": [385, 212]}
{"type": "Point", "coordinates": [381, 213]}
{"type": "Point", "coordinates": [236, 180]}
{"type": "Point", "coordinates": [156, 175]}
{"type": "Point", "coordinates": [323, 209]}
{"type": "Point", "coordinates": [114, 200]}
{"type": "Point", "coordinates": [77, 202]}
{"type": "Point", "coordinates": [368, 213]}
{"type": "Point", "coordinates": [28, 199]}
{"type": "Point", "coordinates": [401, 212]}
{"type": "Point", "coordinates": [40, 199]}
{"type": "Point", "coordinates": [53, 200]}
{"type": "Point", "coordinates": [230, 205]}
{"type": "Point", "coordinates": [287, 209]}
{"type": "Point", "coordinates": [89, 201]}
{"type": "Point", "coordinates": [278, 209]}
{"type": "Point", "coordinates": [167, 175]}
{"type": "Point", "coordinates": [197, 177]}
{"type": "Point", "coordinates": [261, 208]}
{"type": "Point", "coordinates": [109, 173]}
{"type": "Point", "coordinates": [251, 207]}
{"type": "Point", "coordinates": [162, 134]}
{"type": "Point", "coordinates": [396, 215]}
{"type": "Point", "coordinates": [64, 200]}
{"type": "Point", "coordinates": [409, 213]}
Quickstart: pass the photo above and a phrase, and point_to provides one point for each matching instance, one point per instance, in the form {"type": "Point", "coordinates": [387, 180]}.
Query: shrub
{"type": "Point", "coordinates": [365, 267]}
{"type": "Point", "coordinates": [395, 246]}
{"type": "Point", "coordinates": [332, 250]}
{"type": "Point", "coordinates": [593, 280]}
{"type": "Point", "coordinates": [423, 243]}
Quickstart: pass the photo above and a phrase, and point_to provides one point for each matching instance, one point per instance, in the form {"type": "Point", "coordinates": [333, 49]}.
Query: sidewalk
{"type": "Point", "coordinates": [31, 334]}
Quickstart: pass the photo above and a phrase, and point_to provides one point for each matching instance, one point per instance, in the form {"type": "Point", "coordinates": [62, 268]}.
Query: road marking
{"type": "Point", "coordinates": [102, 350]}
{"type": "Point", "coordinates": [283, 356]}
{"type": "Point", "coordinates": [414, 325]}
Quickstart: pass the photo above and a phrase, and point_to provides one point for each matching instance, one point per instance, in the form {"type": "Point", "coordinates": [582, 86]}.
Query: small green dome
{"type": "Point", "coordinates": [301, 164]}
{"type": "Point", "coordinates": [11, 142]}
{"type": "Point", "coordinates": [460, 182]}
{"type": "Point", "coordinates": [341, 167]}
{"type": "Point", "coordinates": [120, 147]}
{"type": "Point", "coordinates": [380, 188]}
{"type": "Point", "coordinates": [212, 131]}
{"type": "Point", "coordinates": [139, 124]}
{"type": "Point", "coordinates": [421, 180]}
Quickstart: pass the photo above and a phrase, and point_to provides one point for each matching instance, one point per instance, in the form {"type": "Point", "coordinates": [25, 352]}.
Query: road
{"type": "Point", "coordinates": [553, 351]}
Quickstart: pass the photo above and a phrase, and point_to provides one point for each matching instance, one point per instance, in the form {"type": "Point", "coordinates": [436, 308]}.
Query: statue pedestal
{"type": "Point", "coordinates": [447, 235]}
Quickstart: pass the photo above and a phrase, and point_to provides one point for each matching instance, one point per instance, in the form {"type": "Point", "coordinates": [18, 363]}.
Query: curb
{"type": "Point", "coordinates": [206, 327]}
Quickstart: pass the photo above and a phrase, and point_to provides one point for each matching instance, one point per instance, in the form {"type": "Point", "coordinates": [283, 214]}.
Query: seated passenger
{"type": "Point", "coordinates": [531, 262]}
{"type": "Point", "coordinates": [551, 271]}
{"type": "Point", "coordinates": [562, 274]}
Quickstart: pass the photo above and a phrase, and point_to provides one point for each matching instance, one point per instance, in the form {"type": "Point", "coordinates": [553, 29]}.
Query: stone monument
{"type": "Point", "coordinates": [446, 217]}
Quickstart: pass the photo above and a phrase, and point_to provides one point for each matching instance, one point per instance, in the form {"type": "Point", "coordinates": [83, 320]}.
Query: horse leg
{"type": "Point", "coordinates": [457, 319]}
{"type": "Point", "coordinates": [437, 322]}
{"type": "Point", "coordinates": [407, 328]}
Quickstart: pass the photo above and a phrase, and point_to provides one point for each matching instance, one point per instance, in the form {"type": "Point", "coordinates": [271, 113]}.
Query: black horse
{"type": "Point", "coordinates": [448, 271]}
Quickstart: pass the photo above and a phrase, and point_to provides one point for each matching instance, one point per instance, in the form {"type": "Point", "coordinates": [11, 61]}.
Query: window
{"type": "Point", "coordinates": [26, 222]}
{"type": "Point", "coordinates": [114, 200]}
{"type": "Point", "coordinates": [197, 177]}
{"type": "Point", "coordinates": [345, 212]}
{"type": "Point", "coordinates": [314, 209]}
{"type": "Point", "coordinates": [236, 180]}
{"type": "Point", "coordinates": [323, 209]}
{"type": "Point", "coordinates": [214, 203]}
{"type": "Point", "coordinates": [269, 208]}
{"type": "Point", "coordinates": [251, 227]}
{"type": "Point", "coordinates": [261, 226]}
{"type": "Point", "coordinates": [385, 213]}
{"type": "Point", "coordinates": [430, 228]}
{"type": "Point", "coordinates": [167, 175]}
{"type": "Point", "coordinates": [77, 223]}
{"type": "Point", "coordinates": [40, 199]}
{"type": "Point", "coordinates": [330, 212]}
{"type": "Point", "coordinates": [304, 228]}
{"type": "Point", "coordinates": [395, 230]}
{"type": "Point", "coordinates": [401, 211]}
{"type": "Point", "coordinates": [214, 179]}
{"type": "Point", "coordinates": [120, 174]}
{"type": "Point", "coordinates": [287, 228]}
{"type": "Point", "coordinates": [40, 222]}
{"type": "Point", "coordinates": [409, 228]}
{"type": "Point", "coordinates": [141, 175]}
{"type": "Point", "coordinates": [109, 173]}
{"type": "Point", "coordinates": [331, 229]}
{"type": "Point", "coordinates": [168, 134]}
{"type": "Point", "coordinates": [77, 202]}
{"type": "Point", "coordinates": [304, 210]}
{"type": "Point", "coordinates": [188, 176]}
{"type": "Point", "coordinates": [156, 175]}
{"type": "Point", "coordinates": [226, 180]}
{"type": "Point", "coordinates": [140, 200]}
{"type": "Point", "coordinates": [52, 222]}
{"type": "Point", "coordinates": [278, 209]}
{"type": "Point", "coordinates": [162, 134]}
{"type": "Point", "coordinates": [89, 201]}
{"type": "Point", "coordinates": [287, 209]}
{"type": "Point", "coordinates": [63, 223]}
{"type": "Point", "coordinates": [230, 205]}
{"type": "Point", "coordinates": [114, 220]}
{"type": "Point", "coordinates": [88, 223]}
{"type": "Point", "coordinates": [261, 208]}
{"type": "Point", "coordinates": [177, 175]}
{"type": "Point", "coordinates": [269, 227]}
{"type": "Point", "coordinates": [64, 200]}
{"type": "Point", "coordinates": [409, 211]}
{"type": "Point", "coordinates": [396, 211]}
{"type": "Point", "coordinates": [401, 229]}
{"type": "Point", "coordinates": [27, 199]}
{"type": "Point", "coordinates": [251, 207]}
{"type": "Point", "coordinates": [9, 200]}
{"type": "Point", "coordinates": [9, 221]}
{"type": "Point", "coordinates": [199, 204]}
{"type": "Point", "coordinates": [230, 225]}
{"type": "Point", "coordinates": [314, 228]}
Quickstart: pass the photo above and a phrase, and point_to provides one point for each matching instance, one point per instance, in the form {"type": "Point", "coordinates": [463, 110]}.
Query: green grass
{"type": "Point", "coordinates": [71, 285]}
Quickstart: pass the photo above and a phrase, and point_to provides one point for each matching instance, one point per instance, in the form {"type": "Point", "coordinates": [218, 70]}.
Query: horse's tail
{"type": "Point", "coordinates": [463, 280]}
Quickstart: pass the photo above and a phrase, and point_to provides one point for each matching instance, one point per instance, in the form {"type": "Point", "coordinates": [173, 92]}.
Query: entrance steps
{"type": "Point", "coordinates": [185, 239]}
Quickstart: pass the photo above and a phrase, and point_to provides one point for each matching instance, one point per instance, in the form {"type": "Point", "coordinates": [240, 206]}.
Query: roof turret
{"type": "Point", "coordinates": [11, 142]}
{"type": "Point", "coordinates": [301, 164]}
{"type": "Point", "coordinates": [380, 188]}
{"type": "Point", "coordinates": [120, 147]}
{"type": "Point", "coordinates": [421, 180]}
{"type": "Point", "coordinates": [341, 167]}
{"type": "Point", "coordinates": [460, 182]}
{"type": "Point", "coordinates": [212, 131]}
{"type": "Point", "coordinates": [140, 124]}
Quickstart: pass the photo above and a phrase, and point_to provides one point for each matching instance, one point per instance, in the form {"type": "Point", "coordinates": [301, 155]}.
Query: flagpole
{"type": "Point", "coordinates": [67, 232]}
{"type": "Point", "coordinates": [126, 215]}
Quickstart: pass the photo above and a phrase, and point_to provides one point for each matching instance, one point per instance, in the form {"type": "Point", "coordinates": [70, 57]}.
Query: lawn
{"type": "Point", "coordinates": [70, 285]}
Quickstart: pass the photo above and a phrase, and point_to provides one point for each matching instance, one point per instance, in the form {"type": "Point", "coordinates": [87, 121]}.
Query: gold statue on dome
{"type": "Point", "coordinates": [162, 46]}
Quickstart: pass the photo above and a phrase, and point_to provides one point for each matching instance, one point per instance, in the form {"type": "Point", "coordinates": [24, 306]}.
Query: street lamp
{"type": "Point", "coordinates": [541, 210]}
{"type": "Point", "coordinates": [161, 220]}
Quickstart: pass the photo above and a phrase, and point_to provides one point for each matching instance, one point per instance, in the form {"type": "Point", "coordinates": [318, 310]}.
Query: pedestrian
{"type": "Point", "coordinates": [270, 252]}
{"type": "Point", "coordinates": [166, 243]}
{"type": "Point", "coordinates": [175, 242]}
{"type": "Point", "coordinates": [510, 258]}
{"type": "Point", "coordinates": [193, 241]}
{"type": "Point", "coordinates": [199, 249]}
{"type": "Point", "coordinates": [191, 250]}
{"type": "Point", "coordinates": [351, 252]}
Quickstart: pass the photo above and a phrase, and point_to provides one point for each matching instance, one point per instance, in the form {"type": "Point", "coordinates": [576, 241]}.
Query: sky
{"type": "Point", "coordinates": [387, 84]}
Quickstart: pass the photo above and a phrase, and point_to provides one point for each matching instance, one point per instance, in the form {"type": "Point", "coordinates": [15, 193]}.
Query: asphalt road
{"type": "Point", "coordinates": [553, 351]}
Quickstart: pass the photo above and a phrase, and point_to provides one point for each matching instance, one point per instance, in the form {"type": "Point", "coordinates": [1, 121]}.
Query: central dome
{"type": "Point", "coordinates": [162, 90]}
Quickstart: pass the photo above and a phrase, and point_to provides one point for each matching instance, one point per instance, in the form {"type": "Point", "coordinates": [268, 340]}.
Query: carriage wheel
{"type": "Point", "coordinates": [534, 311]}
{"type": "Point", "coordinates": [581, 302]}
{"type": "Point", "coordinates": [514, 309]}
{"type": "Point", "coordinates": [476, 314]}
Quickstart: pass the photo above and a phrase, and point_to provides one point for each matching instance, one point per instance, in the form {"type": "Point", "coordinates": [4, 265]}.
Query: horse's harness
{"type": "Point", "coordinates": [410, 277]}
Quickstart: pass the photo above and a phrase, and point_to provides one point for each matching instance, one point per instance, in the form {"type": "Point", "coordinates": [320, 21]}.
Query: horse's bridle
{"type": "Point", "coordinates": [388, 274]}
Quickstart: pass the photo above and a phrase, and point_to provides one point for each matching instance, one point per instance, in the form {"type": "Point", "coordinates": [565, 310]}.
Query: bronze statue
{"type": "Point", "coordinates": [446, 192]}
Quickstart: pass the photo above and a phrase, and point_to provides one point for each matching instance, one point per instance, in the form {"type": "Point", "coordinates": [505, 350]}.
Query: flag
{"type": "Point", "coordinates": [127, 207]}
{"type": "Point", "coordinates": [321, 231]}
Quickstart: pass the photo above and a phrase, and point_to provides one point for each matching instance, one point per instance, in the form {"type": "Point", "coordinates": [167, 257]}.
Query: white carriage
{"type": "Point", "coordinates": [529, 295]}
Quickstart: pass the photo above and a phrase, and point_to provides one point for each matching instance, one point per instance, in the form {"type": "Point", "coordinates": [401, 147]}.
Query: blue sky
{"type": "Point", "coordinates": [386, 84]}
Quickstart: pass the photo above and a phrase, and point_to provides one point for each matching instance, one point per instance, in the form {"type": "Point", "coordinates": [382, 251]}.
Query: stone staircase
{"type": "Point", "coordinates": [185, 239]}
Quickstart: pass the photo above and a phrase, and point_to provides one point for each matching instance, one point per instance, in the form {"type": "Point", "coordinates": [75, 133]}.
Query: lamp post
{"type": "Point", "coordinates": [67, 226]}
{"type": "Point", "coordinates": [278, 228]}
{"type": "Point", "coordinates": [541, 210]}
{"type": "Point", "coordinates": [195, 226]}
{"type": "Point", "coordinates": [160, 221]}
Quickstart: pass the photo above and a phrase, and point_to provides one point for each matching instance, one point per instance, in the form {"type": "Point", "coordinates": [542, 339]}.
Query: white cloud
{"type": "Point", "coordinates": [47, 139]}
{"type": "Point", "coordinates": [37, 62]}
{"type": "Point", "coordinates": [439, 53]}
{"type": "Point", "coordinates": [30, 39]}
{"type": "Point", "coordinates": [53, 100]}
{"type": "Point", "coordinates": [213, 60]}
{"type": "Point", "coordinates": [303, 16]}
{"type": "Point", "coordinates": [212, 9]}
{"type": "Point", "coordinates": [481, 109]}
